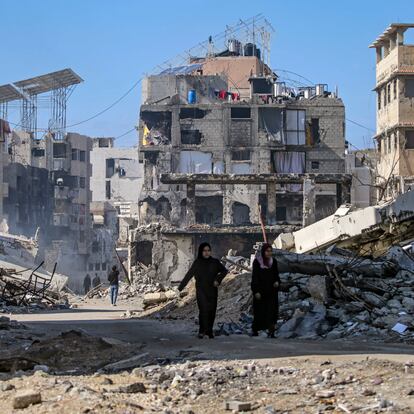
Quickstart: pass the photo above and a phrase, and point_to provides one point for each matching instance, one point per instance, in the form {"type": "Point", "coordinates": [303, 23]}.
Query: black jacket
{"type": "Point", "coordinates": [113, 277]}
{"type": "Point", "coordinates": [206, 272]}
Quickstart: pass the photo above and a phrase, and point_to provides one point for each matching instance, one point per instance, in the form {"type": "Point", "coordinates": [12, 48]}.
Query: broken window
{"type": "Point", "coordinates": [108, 190]}
{"type": "Point", "coordinates": [271, 121]}
{"type": "Point", "coordinates": [241, 155]}
{"type": "Point", "coordinates": [195, 162]}
{"type": "Point", "coordinates": [82, 156]}
{"type": "Point", "coordinates": [82, 182]}
{"type": "Point", "coordinates": [192, 113]}
{"type": "Point", "coordinates": [315, 165]}
{"type": "Point", "coordinates": [241, 214]}
{"type": "Point", "coordinates": [295, 127]}
{"type": "Point", "coordinates": [394, 84]}
{"type": "Point", "coordinates": [74, 154]}
{"type": "Point", "coordinates": [409, 88]}
{"type": "Point", "coordinates": [38, 152]}
{"type": "Point", "coordinates": [280, 213]}
{"type": "Point", "coordinates": [163, 207]}
{"type": "Point", "coordinates": [190, 137]}
{"type": "Point", "coordinates": [156, 127]}
{"type": "Point", "coordinates": [240, 112]}
{"type": "Point", "coordinates": [143, 252]}
{"type": "Point", "coordinates": [409, 139]}
{"type": "Point", "coordinates": [209, 210]}
{"type": "Point", "coordinates": [59, 150]}
{"type": "Point", "coordinates": [110, 167]}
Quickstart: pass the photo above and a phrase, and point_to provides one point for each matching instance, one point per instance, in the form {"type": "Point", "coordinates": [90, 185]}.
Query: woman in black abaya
{"type": "Point", "coordinates": [208, 273]}
{"type": "Point", "coordinates": [265, 288]}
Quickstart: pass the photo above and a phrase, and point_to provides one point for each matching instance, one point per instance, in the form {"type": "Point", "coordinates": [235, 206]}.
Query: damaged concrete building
{"type": "Point", "coordinates": [47, 174]}
{"type": "Point", "coordinates": [217, 160]}
{"type": "Point", "coordinates": [117, 177]}
{"type": "Point", "coordinates": [395, 116]}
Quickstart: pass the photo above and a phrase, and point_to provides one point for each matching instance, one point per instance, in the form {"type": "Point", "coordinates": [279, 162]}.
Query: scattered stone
{"type": "Point", "coordinates": [237, 406]}
{"type": "Point", "coordinates": [42, 368]}
{"type": "Point", "coordinates": [134, 388]}
{"type": "Point", "coordinates": [7, 387]}
{"type": "Point", "coordinates": [325, 394]}
{"type": "Point", "coordinates": [25, 398]}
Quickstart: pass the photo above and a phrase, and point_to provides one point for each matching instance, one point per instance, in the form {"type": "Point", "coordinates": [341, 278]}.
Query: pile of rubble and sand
{"type": "Point", "coordinates": [331, 295]}
{"type": "Point", "coordinates": [285, 385]}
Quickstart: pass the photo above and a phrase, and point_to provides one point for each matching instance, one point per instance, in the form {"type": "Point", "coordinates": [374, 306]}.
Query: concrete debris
{"type": "Point", "coordinates": [25, 398]}
{"type": "Point", "coordinates": [237, 406]}
{"type": "Point", "coordinates": [30, 289]}
{"type": "Point", "coordinates": [368, 231]}
{"type": "Point", "coordinates": [351, 296]}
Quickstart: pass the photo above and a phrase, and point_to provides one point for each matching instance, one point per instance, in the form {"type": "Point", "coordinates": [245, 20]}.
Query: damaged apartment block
{"type": "Point", "coordinates": [218, 156]}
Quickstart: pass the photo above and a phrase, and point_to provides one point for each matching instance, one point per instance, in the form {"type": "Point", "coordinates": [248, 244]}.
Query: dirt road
{"type": "Point", "coordinates": [179, 373]}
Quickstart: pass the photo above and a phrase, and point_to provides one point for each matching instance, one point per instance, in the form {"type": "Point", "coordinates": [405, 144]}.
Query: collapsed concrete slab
{"type": "Point", "coordinates": [369, 231]}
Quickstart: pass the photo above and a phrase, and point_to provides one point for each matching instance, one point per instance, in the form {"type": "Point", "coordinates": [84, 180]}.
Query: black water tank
{"type": "Point", "coordinates": [258, 53]}
{"type": "Point", "coordinates": [249, 49]}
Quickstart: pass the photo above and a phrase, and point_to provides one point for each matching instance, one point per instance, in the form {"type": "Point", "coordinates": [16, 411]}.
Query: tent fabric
{"type": "Point", "coordinates": [195, 162]}
{"type": "Point", "coordinates": [289, 162]}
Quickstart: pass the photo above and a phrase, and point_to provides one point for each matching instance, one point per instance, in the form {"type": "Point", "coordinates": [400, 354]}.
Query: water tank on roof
{"type": "Point", "coordinates": [250, 49]}
{"type": "Point", "coordinates": [257, 53]}
{"type": "Point", "coordinates": [192, 96]}
{"type": "Point", "coordinates": [235, 47]}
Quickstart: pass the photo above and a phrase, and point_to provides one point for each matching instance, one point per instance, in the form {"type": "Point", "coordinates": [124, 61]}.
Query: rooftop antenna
{"type": "Point", "coordinates": [210, 50]}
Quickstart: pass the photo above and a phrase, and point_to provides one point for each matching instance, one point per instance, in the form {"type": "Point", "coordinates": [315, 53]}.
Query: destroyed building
{"type": "Point", "coordinates": [47, 174]}
{"type": "Point", "coordinates": [116, 180]}
{"type": "Point", "coordinates": [215, 159]}
{"type": "Point", "coordinates": [395, 117]}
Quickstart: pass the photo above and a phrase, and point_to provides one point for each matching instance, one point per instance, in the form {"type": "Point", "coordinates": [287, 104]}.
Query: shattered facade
{"type": "Point", "coordinates": [193, 124]}
{"type": "Point", "coordinates": [49, 197]}
{"type": "Point", "coordinates": [117, 177]}
{"type": "Point", "coordinates": [395, 116]}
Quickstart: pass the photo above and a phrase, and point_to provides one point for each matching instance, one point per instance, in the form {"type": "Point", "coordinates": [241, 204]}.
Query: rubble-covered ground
{"type": "Point", "coordinates": [304, 385]}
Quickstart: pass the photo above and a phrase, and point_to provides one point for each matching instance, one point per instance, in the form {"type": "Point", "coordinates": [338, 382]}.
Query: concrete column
{"type": "Point", "coordinates": [190, 204]}
{"type": "Point", "coordinates": [309, 200]}
{"type": "Point", "coordinates": [227, 208]}
{"type": "Point", "coordinates": [271, 203]}
{"type": "Point", "coordinates": [343, 193]}
{"type": "Point", "coordinates": [379, 53]}
{"type": "Point", "coordinates": [393, 39]}
{"type": "Point", "coordinates": [400, 38]}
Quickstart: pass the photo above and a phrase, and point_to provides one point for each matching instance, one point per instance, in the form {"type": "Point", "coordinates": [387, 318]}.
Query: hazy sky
{"type": "Point", "coordinates": [111, 44]}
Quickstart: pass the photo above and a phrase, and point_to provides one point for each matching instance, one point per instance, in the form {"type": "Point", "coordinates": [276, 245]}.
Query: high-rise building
{"type": "Point", "coordinates": [395, 110]}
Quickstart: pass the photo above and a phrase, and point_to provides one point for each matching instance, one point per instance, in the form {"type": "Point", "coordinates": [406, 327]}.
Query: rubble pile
{"type": "Point", "coordinates": [70, 351]}
{"type": "Point", "coordinates": [26, 290]}
{"type": "Point", "coordinates": [143, 282]}
{"type": "Point", "coordinates": [284, 385]}
{"type": "Point", "coordinates": [330, 295]}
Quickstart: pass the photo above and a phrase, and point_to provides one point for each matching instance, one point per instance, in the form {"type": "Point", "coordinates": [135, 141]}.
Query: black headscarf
{"type": "Point", "coordinates": [265, 263]}
{"type": "Point", "coordinates": [201, 248]}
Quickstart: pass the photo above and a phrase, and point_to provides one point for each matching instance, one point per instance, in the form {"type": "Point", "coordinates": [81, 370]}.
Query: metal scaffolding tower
{"type": "Point", "coordinates": [60, 85]}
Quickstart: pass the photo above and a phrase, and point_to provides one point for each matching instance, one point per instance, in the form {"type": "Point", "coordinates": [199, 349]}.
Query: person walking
{"type": "Point", "coordinates": [96, 281]}
{"type": "Point", "coordinates": [208, 273]}
{"type": "Point", "coordinates": [265, 288]}
{"type": "Point", "coordinates": [87, 284]}
{"type": "Point", "coordinates": [113, 278]}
